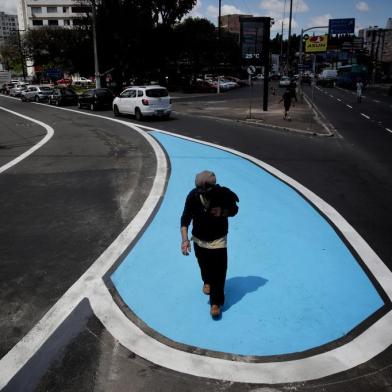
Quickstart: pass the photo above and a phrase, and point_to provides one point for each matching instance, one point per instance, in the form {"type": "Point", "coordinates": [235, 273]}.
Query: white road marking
{"type": "Point", "coordinates": [368, 344]}
{"type": "Point", "coordinates": [339, 99]}
{"type": "Point", "coordinates": [364, 115]}
{"type": "Point", "coordinates": [349, 106]}
{"type": "Point", "coordinates": [376, 100]}
{"type": "Point", "coordinates": [389, 130]}
{"type": "Point", "coordinates": [44, 140]}
{"type": "Point", "coordinates": [331, 95]}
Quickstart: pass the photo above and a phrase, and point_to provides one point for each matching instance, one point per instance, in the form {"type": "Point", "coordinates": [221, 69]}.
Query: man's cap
{"type": "Point", "coordinates": [205, 179]}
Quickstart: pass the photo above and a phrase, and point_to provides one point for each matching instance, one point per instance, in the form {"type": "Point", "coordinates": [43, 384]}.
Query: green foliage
{"type": "Point", "coordinates": [67, 49]}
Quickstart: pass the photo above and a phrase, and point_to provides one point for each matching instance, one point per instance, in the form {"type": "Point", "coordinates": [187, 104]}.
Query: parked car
{"type": "Point", "coordinates": [96, 98]}
{"type": "Point", "coordinates": [143, 101]}
{"type": "Point", "coordinates": [64, 82]}
{"type": "Point", "coordinates": [37, 93]}
{"type": "Point", "coordinates": [81, 81]}
{"type": "Point", "coordinates": [17, 89]}
{"type": "Point", "coordinates": [63, 96]}
{"type": "Point", "coordinates": [284, 81]}
{"type": "Point", "coordinates": [202, 86]}
{"type": "Point", "coordinates": [306, 79]}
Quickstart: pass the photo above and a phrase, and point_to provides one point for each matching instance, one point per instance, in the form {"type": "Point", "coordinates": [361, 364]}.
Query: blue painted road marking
{"type": "Point", "coordinates": [292, 284]}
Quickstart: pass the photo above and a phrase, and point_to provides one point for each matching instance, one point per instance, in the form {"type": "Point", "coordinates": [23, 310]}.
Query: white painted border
{"type": "Point", "coordinates": [361, 349]}
{"type": "Point", "coordinates": [44, 140]}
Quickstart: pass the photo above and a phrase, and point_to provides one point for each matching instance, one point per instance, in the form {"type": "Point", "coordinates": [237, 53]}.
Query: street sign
{"type": "Point", "coordinates": [251, 70]}
{"type": "Point", "coordinates": [317, 43]}
{"type": "Point", "coordinates": [341, 26]}
{"type": "Point", "coordinates": [305, 37]}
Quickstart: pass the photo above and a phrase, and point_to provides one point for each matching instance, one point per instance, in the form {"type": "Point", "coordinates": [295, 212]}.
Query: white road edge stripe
{"type": "Point", "coordinates": [371, 342]}
{"type": "Point", "coordinates": [44, 140]}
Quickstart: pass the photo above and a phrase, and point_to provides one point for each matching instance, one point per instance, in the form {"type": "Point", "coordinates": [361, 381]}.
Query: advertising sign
{"type": "Point", "coordinates": [341, 26]}
{"type": "Point", "coordinates": [252, 36]}
{"type": "Point", "coordinates": [317, 43]}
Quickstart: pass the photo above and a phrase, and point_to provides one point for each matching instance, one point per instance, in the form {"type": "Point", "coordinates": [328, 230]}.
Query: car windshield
{"type": "Point", "coordinates": [45, 88]}
{"type": "Point", "coordinates": [157, 92]}
{"type": "Point", "coordinates": [102, 92]}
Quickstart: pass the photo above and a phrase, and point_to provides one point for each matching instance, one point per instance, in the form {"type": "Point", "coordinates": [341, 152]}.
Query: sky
{"type": "Point", "coordinates": [306, 13]}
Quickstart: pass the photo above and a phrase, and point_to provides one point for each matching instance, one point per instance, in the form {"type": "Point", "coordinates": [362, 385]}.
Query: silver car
{"type": "Point", "coordinates": [37, 93]}
{"type": "Point", "coordinates": [17, 89]}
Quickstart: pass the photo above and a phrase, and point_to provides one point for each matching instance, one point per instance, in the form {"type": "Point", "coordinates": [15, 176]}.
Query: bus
{"type": "Point", "coordinates": [348, 75]}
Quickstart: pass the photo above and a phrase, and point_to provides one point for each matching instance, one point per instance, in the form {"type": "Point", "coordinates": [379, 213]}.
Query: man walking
{"type": "Point", "coordinates": [286, 98]}
{"type": "Point", "coordinates": [359, 90]}
{"type": "Point", "coordinates": [208, 207]}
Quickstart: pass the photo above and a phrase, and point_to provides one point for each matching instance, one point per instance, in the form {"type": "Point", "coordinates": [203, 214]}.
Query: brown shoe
{"type": "Point", "coordinates": [206, 289]}
{"type": "Point", "coordinates": [215, 310]}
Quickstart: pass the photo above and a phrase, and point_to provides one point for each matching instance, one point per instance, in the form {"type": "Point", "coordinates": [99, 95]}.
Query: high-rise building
{"type": "Point", "coordinates": [389, 24]}
{"type": "Point", "coordinates": [8, 25]}
{"type": "Point", "coordinates": [36, 13]}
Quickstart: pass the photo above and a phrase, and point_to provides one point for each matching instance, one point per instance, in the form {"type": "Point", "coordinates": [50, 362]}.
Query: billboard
{"type": "Point", "coordinates": [252, 37]}
{"type": "Point", "coordinates": [341, 26]}
{"type": "Point", "coordinates": [316, 43]}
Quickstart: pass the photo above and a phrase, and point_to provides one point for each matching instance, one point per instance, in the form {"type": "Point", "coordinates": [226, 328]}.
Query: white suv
{"type": "Point", "coordinates": [143, 101]}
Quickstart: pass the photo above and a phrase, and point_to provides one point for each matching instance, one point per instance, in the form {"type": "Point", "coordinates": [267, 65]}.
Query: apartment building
{"type": "Point", "coordinates": [8, 25]}
{"type": "Point", "coordinates": [38, 13]}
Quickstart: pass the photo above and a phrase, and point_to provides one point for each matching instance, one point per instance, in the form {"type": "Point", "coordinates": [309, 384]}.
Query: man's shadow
{"type": "Point", "coordinates": [236, 288]}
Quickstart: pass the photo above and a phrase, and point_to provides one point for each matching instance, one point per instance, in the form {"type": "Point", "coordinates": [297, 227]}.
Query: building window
{"type": "Point", "coordinates": [53, 22]}
{"type": "Point", "coordinates": [77, 22]}
{"type": "Point", "coordinates": [51, 10]}
{"type": "Point", "coordinates": [80, 9]}
{"type": "Point", "coordinates": [67, 22]}
{"type": "Point", "coordinates": [36, 10]}
{"type": "Point", "coordinates": [37, 22]}
{"type": "Point", "coordinates": [65, 10]}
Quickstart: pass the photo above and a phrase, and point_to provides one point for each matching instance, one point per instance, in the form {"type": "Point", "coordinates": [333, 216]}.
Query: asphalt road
{"type": "Point", "coordinates": [60, 215]}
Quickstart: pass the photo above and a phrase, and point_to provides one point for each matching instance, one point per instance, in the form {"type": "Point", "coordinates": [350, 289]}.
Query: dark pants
{"type": "Point", "coordinates": [213, 267]}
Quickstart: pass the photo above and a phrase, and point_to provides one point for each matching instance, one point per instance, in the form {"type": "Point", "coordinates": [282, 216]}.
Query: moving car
{"type": "Point", "coordinates": [284, 81]}
{"type": "Point", "coordinates": [96, 98]}
{"type": "Point", "coordinates": [37, 93]}
{"type": "Point", "coordinates": [327, 77]}
{"type": "Point", "coordinates": [143, 101]}
{"type": "Point", "coordinates": [63, 96]}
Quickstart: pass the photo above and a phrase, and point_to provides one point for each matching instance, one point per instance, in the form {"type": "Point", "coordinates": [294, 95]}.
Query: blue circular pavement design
{"type": "Point", "coordinates": [292, 284]}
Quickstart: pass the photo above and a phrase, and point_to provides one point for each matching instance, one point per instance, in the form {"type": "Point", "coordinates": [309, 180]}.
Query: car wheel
{"type": "Point", "coordinates": [138, 114]}
{"type": "Point", "coordinates": [92, 107]}
{"type": "Point", "coordinates": [116, 112]}
{"type": "Point", "coordinates": [36, 98]}
{"type": "Point", "coordinates": [57, 102]}
{"type": "Point", "coordinates": [79, 105]}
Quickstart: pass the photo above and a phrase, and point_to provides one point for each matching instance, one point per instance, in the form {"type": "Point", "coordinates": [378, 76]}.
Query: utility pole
{"type": "Point", "coordinates": [22, 58]}
{"type": "Point", "coordinates": [219, 41]}
{"type": "Point", "coordinates": [289, 36]}
{"type": "Point", "coordinates": [96, 64]}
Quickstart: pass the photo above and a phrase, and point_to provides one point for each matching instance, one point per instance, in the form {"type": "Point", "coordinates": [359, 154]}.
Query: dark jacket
{"type": "Point", "coordinates": [207, 227]}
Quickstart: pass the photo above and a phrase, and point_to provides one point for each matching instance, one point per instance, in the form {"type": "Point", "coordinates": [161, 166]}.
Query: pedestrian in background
{"type": "Point", "coordinates": [286, 98]}
{"type": "Point", "coordinates": [208, 207]}
{"type": "Point", "coordinates": [359, 90]}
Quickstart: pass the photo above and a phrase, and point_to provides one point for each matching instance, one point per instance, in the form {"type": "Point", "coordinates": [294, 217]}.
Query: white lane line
{"type": "Point", "coordinates": [44, 140]}
{"type": "Point", "coordinates": [349, 106]}
{"type": "Point", "coordinates": [389, 130]}
{"type": "Point", "coordinates": [361, 349]}
{"type": "Point", "coordinates": [364, 115]}
{"type": "Point", "coordinates": [339, 99]}
{"type": "Point", "coordinates": [376, 100]}
{"type": "Point", "coordinates": [331, 95]}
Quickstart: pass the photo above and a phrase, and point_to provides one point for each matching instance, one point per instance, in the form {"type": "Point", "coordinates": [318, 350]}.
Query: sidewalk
{"type": "Point", "coordinates": [231, 105]}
